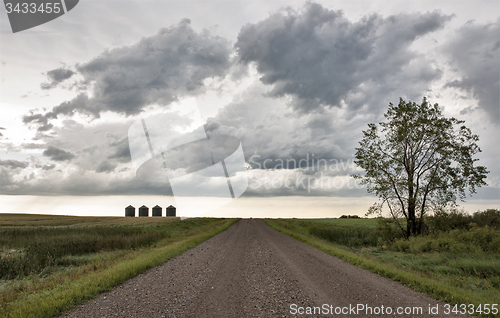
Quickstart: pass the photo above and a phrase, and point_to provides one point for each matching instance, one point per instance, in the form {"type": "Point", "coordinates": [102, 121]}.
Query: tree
{"type": "Point", "coordinates": [418, 160]}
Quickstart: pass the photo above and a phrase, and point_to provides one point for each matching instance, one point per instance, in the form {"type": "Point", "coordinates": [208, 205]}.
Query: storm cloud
{"type": "Point", "coordinates": [307, 82]}
{"type": "Point", "coordinates": [13, 164]}
{"type": "Point", "coordinates": [157, 70]}
{"type": "Point", "coordinates": [57, 154]}
{"type": "Point", "coordinates": [56, 76]}
{"type": "Point", "coordinates": [106, 167]}
{"type": "Point", "coordinates": [475, 52]}
{"type": "Point", "coordinates": [269, 130]}
{"type": "Point", "coordinates": [320, 58]}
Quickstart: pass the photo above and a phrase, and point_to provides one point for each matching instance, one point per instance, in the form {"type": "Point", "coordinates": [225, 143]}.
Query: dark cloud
{"type": "Point", "coordinates": [6, 180]}
{"type": "Point", "coordinates": [57, 76]}
{"type": "Point", "coordinates": [319, 57]}
{"type": "Point", "coordinates": [156, 70]}
{"type": "Point", "coordinates": [57, 154]}
{"type": "Point", "coordinates": [48, 167]}
{"type": "Point", "coordinates": [13, 164]}
{"type": "Point", "coordinates": [76, 183]}
{"type": "Point", "coordinates": [270, 132]}
{"type": "Point", "coordinates": [315, 57]}
{"type": "Point", "coordinates": [41, 121]}
{"type": "Point", "coordinates": [121, 150]}
{"type": "Point", "coordinates": [106, 167]}
{"type": "Point", "coordinates": [475, 51]}
{"type": "Point", "coordinates": [33, 146]}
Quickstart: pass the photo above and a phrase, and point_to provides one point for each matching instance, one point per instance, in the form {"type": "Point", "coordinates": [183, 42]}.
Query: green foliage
{"type": "Point", "coordinates": [454, 219]}
{"type": "Point", "coordinates": [489, 217]}
{"type": "Point", "coordinates": [387, 230]}
{"type": "Point", "coordinates": [475, 240]}
{"type": "Point", "coordinates": [350, 217]}
{"type": "Point", "coordinates": [445, 221]}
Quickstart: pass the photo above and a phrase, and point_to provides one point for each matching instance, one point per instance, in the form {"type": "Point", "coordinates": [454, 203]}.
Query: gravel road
{"type": "Point", "coordinates": [251, 270]}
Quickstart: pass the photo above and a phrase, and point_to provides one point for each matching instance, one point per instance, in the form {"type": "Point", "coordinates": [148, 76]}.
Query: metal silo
{"type": "Point", "coordinates": [130, 211]}
{"type": "Point", "coordinates": [143, 211]}
{"type": "Point", "coordinates": [171, 211]}
{"type": "Point", "coordinates": [157, 211]}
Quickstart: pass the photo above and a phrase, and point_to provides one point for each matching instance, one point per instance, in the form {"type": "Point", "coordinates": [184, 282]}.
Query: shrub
{"type": "Point", "coordinates": [448, 220]}
{"type": "Point", "coordinates": [489, 217]}
{"type": "Point", "coordinates": [387, 230]}
{"type": "Point", "coordinates": [475, 240]}
{"type": "Point", "coordinates": [445, 221]}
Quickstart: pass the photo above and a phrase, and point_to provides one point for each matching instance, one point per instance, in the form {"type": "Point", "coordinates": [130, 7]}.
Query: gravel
{"type": "Point", "coordinates": [251, 270]}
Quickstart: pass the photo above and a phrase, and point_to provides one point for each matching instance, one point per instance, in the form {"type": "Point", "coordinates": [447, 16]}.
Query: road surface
{"type": "Point", "coordinates": [251, 270]}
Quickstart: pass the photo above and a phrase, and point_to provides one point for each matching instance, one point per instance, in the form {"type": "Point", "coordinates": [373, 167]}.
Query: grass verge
{"type": "Point", "coordinates": [436, 288]}
{"type": "Point", "coordinates": [66, 291]}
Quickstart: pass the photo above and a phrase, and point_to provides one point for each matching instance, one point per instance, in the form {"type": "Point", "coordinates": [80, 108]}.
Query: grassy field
{"type": "Point", "coordinates": [49, 264]}
{"type": "Point", "coordinates": [457, 266]}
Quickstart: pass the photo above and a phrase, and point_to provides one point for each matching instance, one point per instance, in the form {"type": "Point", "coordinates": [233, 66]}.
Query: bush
{"type": "Point", "coordinates": [445, 221]}
{"type": "Point", "coordinates": [454, 219]}
{"type": "Point", "coordinates": [475, 240]}
{"type": "Point", "coordinates": [490, 218]}
{"type": "Point", "coordinates": [387, 230]}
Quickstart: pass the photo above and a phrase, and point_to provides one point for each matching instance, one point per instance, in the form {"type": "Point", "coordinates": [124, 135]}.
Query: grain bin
{"type": "Point", "coordinates": [130, 211]}
{"type": "Point", "coordinates": [143, 211]}
{"type": "Point", "coordinates": [171, 211]}
{"type": "Point", "coordinates": [157, 211]}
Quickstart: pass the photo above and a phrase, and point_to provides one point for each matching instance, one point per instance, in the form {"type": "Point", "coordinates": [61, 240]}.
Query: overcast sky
{"type": "Point", "coordinates": [292, 80]}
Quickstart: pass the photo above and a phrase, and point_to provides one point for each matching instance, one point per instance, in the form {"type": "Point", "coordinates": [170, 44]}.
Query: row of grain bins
{"type": "Point", "coordinates": [144, 211]}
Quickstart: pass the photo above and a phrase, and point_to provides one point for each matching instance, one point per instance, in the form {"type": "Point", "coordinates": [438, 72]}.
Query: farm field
{"type": "Point", "coordinates": [457, 266]}
{"type": "Point", "coordinates": [50, 263]}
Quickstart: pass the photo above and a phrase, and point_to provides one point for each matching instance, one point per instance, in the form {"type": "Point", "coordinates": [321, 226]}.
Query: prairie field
{"type": "Point", "coordinates": [51, 263]}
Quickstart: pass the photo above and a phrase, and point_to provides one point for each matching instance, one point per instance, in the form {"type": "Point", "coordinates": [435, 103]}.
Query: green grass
{"type": "Point", "coordinates": [122, 248]}
{"type": "Point", "coordinates": [27, 251]}
{"type": "Point", "coordinates": [353, 223]}
{"type": "Point", "coordinates": [453, 275]}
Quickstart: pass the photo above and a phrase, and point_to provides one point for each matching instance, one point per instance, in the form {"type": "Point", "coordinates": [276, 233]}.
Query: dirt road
{"type": "Point", "coordinates": [251, 270]}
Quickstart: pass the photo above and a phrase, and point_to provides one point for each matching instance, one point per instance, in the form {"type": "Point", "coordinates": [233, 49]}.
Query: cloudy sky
{"type": "Point", "coordinates": [295, 82]}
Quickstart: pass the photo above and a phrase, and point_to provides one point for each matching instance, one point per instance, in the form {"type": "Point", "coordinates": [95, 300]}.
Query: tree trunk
{"type": "Point", "coordinates": [411, 222]}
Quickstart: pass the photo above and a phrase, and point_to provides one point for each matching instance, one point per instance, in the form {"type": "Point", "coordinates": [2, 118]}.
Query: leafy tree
{"type": "Point", "coordinates": [418, 160]}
